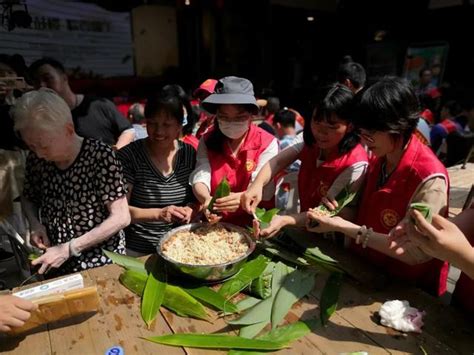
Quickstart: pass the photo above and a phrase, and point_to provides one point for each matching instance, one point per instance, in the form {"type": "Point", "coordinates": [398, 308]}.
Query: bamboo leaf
{"type": "Point", "coordinates": [153, 294]}
{"type": "Point", "coordinates": [265, 217]}
{"type": "Point", "coordinates": [330, 296]}
{"type": "Point", "coordinates": [286, 334]}
{"type": "Point", "coordinates": [216, 341]}
{"type": "Point", "coordinates": [343, 198]}
{"type": "Point", "coordinates": [283, 254]}
{"type": "Point", "coordinates": [258, 313]}
{"type": "Point", "coordinates": [268, 215]}
{"type": "Point", "coordinates": [175, 299]}
{"type": "Point", "coordinates": [249, 271]}
{"type": "Point", "coordinates": [317, 253]}
{"type": "Point", "coordinates": [297, 284]}
{"type": "Point", "coordinates": [222, 190]}
{"type": "Point", "coordinates": [246, 303]}
{"type": "Point", "coordinates": [183, 304]}
{"type": "Point", "coordinates": [250, 331]}
{"type": "Point", "coordinates": [126, 261]}
{"type": "Point", "coordinates": [260, 212]}
{"type": "Point", "coordinates": [134, 281]}
{"type": "Point", "coordinates": [209, 296]}
{"type": "Point", "coordinates": [424, 209]}
{"type": "Point", "coordinates": [264, 311]}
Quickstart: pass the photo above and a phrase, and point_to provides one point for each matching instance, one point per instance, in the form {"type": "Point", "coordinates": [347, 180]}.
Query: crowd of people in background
{"type": "Point", "coordinates": [97, 178]}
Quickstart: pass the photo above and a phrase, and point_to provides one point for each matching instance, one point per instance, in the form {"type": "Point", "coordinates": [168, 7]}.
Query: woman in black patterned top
{"type": "Point", "coordinates": [77, 184]}
{"type": "Point", "coordinates": [157, 171]}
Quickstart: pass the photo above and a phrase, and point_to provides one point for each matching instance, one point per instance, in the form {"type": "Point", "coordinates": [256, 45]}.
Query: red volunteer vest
{"type": "Point", "coordinates": [383, 208]}
{"type": "Point", "coordinates": [191, 140]}
{"type": "Point", "coordinates": [314, 182]}
{"type": "Point", "coordinates": [238, 170]}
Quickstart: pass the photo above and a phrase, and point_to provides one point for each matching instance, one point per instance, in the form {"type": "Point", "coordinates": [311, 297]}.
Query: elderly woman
{"type": "Point", "coordinates": [157, 170]}
{"type": "Point", "coordinates": [77, 185]}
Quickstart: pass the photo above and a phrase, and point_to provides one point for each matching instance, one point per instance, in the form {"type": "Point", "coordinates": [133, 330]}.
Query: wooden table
{"type": "Point", "coordinates": [353, 327]}
{"type": "Point", "coordinates": [461, 182]}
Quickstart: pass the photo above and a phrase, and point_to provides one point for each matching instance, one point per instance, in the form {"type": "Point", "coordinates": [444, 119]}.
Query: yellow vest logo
{"type": "Point", "coordinates": [250, 165]}
{"type": "Point", "coordinates": [389, 218]}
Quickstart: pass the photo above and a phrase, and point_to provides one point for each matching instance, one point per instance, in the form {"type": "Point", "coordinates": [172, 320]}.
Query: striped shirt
{"type": "Point", "coordinates": [150, 189]}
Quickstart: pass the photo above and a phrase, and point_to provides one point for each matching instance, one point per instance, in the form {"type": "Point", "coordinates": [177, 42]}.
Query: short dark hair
{"type": "Point", "coordinates": [285, 117]}
{"type": "Point", "coordinates": [352, 71]}
{"type": "Point", "coordinates": [135, 114]}
{"type": "Point", "coordinates": [164, 102]}
{"type": "Point", "coordinates": [177, 91]}
{"type": "Point", "coordinates": [45, 61]}
{"type": "Point", "coordinates": [389, 105]}
{"type": "Point", "coordinates": [273, 104]}
{"type": "Point", "coordinates": [331, 104]}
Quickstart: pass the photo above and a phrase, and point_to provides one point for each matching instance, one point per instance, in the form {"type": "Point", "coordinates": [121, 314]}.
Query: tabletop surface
{"type": "Point", "coordinates": [353, 327]}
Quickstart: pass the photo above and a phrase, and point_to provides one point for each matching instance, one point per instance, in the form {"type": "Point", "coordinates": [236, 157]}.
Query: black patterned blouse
{"type": "Point", "coordinates": [73, 201]}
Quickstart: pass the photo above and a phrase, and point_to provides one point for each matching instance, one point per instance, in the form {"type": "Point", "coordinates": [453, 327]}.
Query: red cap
{"type": "Point", "coordinates": [434, 93]}
{"type": "Point", "coordinates": [206, 88]}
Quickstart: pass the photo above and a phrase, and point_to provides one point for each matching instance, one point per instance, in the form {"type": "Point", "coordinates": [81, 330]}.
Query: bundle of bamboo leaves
{"type": "Point", "coordinates": [278, 282]}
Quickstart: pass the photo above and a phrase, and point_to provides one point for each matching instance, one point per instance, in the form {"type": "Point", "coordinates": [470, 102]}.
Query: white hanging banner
{"type": "Point", "coordinates": [80, 35]}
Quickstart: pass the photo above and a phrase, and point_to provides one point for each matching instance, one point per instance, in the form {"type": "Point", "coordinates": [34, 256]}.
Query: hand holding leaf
{"type": "Point", "coordinates": [223, 190]}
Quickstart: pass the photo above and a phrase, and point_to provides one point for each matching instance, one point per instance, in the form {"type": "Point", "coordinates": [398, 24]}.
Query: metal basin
{"type": "Point", "coordinates": [208, 273]}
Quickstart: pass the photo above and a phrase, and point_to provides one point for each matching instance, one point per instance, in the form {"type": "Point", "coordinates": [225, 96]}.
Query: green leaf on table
{"type": "Point", "coordinates": [315, 257]}
{"type": "Point", "coordinates": [317, 253]}
{"type": "Point", "coordinates": [126, 261]}
{"type": "Point", "coordinates": [153, 294]}
{"type": "Point", "coordinates": [222, 190]}
{"type": "Point", "coordinates": [285, 334]}
{"type": "Point", "coordinates": [262, 311]}
{"type": "Point", "coordinates": [424, 209]}
{"type": "Point", "coordinates": [257, 314]}
{"type": "Point", "coordinates": [310, 256]}
{"type": "Point", "coordinates": [250, 331]}
{"type": "Point", "coordinates": [183, 304]}
{"type": "Point", "coordinates": [249, 271]}
{"type": "Point", "coordinates": [217, 341]}
{"type": "Point", "coordinates": [211, 297]}
{"type": "Point", "coordinates": [246, 303]}
{"type": "Point", "coordinates": [176, 299]}
{"type": "Point", "coordinates": [330, 296]}
{"type": "Point", "coordinates": [276, 250]}
{"type": "Point", "coordinates": [297, 284]}
{"type": "Point", "coordinates": [134, 281]}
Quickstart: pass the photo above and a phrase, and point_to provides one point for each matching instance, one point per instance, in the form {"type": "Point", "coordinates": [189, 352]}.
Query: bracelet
{"type": "Point", "coordinates": [367, 236]}
{"type": "Point", "coordinates": [73, 251]}
{"type": "Point", "coordinates": [361, 232]}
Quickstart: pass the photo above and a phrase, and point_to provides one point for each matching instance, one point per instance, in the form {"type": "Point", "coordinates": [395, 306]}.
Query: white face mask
{"type": "Point", "coordinates": [233, 129]}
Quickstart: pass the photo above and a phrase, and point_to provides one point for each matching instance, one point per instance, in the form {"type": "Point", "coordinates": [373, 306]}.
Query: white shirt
{"type": "Point", "coordinates": [351, 176]}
